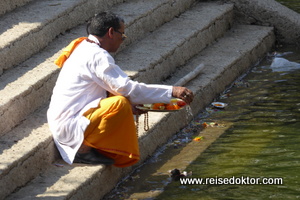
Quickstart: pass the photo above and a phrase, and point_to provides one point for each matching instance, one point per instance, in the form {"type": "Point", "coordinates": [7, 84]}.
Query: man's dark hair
{"type": "Point", "coordinates": [101, 22]}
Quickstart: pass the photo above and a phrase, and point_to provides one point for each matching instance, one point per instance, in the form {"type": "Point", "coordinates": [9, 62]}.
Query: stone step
{"type": "Point", "coordinates": [224, 60]}
{"type": "Point", "coordinates": [30, 28]}
{"type": "Point", "coordinates": [29, 85]}
{"type": "Point", "coordinates": [174, 43]}
{"type": "Point", "coordinates": [9, 5]}
{"type": "Point", "coordinates": [32, 86]}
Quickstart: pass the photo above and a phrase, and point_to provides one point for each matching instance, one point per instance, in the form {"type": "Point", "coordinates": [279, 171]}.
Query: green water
{"type": "Point", "coordinates": [293, 4]}
{"type": "Point", "coordinates": [262, 142]}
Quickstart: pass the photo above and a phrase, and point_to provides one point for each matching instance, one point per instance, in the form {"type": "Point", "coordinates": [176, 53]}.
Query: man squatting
{"type": "Point", "coordinates": [93, 102]}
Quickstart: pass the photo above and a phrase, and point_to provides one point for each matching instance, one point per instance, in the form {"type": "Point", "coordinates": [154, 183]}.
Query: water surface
{"type": "Point", "coordinates": [263, 140]}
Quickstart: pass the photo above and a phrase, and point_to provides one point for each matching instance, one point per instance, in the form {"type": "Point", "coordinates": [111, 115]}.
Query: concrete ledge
{"type": "Point", "coordinates": [270, 13]}
{"type": "Point", "coordinates": [243, 44]}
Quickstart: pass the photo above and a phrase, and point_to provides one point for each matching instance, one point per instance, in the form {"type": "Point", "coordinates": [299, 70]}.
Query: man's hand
{"type": "Point", "coordinates": [183, 93]}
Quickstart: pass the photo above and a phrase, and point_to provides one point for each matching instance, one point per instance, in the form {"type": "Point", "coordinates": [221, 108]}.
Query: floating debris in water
{"type": "Point", "coordinates": [224, 96]}
{"type": "Point", "coordinates": [278, 54]}
{"type": "Point", "coordinates": [197, 139]}
{"type": "Point", "coordinates": [134, 177]}
{"type": "Point", "coordinates": [212, 110]}
{"type": "Point", "coordinates": [282, 65]}
{"type": "Point", "coordinates": [241, 83]}
{"type": "Point", "coordinates": [212, 124]}
{"type": "Point", "coordinates": [219, 104]}
{"type": "Point", "coordinates": [176, 174]}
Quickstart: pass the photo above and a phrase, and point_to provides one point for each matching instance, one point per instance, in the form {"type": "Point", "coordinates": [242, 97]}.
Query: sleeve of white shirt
{"type": "Point", "coordinates": [117, 82]}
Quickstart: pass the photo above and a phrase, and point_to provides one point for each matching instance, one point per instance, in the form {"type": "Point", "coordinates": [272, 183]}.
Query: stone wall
{"type": "Point", "coordinates": [270, 13]}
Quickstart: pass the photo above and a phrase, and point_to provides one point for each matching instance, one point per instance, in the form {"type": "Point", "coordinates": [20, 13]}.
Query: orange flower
{"type": "Point", "coordinates": [172, 107]}
{"type": "Point", "coordinates": [158, 106]}
{"type": "Point", "coordinates": [197, 139]}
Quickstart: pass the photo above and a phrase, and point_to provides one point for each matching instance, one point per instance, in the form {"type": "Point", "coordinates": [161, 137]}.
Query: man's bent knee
{"type": "Point", "coordinates": [120, 101]}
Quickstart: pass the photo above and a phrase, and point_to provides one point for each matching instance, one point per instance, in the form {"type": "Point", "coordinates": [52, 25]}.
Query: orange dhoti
{"type": "Point", "coordinates": [112, 131]}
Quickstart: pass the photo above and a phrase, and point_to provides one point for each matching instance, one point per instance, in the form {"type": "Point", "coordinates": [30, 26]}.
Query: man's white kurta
{"type": "Point", "coordinates": [85, 78]}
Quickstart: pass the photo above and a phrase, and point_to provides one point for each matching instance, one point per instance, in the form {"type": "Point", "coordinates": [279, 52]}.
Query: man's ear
{"type": "Point", "coordinates": [110, 32]}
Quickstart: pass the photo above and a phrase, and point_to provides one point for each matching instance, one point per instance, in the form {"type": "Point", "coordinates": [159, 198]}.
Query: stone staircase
{"type": "Point", "coordinates": [167, 39]}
